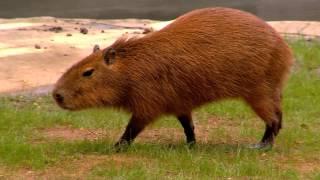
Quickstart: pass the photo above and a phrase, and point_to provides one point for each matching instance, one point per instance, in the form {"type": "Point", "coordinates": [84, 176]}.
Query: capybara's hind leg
{"type": "Point", "coordinates": [269, 110]}
{"type": "Point", "coordinates": [187, 124]}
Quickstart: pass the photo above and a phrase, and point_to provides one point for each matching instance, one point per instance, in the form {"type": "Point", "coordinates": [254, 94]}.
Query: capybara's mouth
{"type": "Point", "coordinates": [61, 101]}
{"type": "Point", "coordinates": [66, 107]}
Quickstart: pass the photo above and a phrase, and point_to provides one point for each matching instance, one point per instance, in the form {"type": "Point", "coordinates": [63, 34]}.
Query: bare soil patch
{"type": "Point", "coordinates": [317, 72]}
{"type": "Point", "coordinates": [46, 47]}
{"type": "Point", "coordinates": [203, 131]}
{"type": "Point", "coordinates": [73, 168]}
{"type": "Point", "coordinates": [304, 166]}
{"type": "Point", "coordinates": [70, 134]}
{"type": "Point", "coordinates": [222, 130]}
{"type": "Point", "coordinates": [66, 133]}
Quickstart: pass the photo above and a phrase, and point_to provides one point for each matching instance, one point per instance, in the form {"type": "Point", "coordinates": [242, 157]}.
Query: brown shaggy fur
{"type": "Point", "coordinates": [203, 56]}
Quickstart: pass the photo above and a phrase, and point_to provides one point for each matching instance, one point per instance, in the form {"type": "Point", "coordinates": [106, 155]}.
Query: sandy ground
{"type": "Point", "coordinates": [34, 52]}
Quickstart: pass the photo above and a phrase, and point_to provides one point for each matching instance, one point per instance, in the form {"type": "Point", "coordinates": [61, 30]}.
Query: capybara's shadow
{"type": "Point", "coordinates": [107, 147]}
{"type": "Point", "coordinates": [207, 147]}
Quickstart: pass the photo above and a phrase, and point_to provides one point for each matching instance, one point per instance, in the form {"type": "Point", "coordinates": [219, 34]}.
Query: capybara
{"type": "Point", "coordinates": [203, 56]}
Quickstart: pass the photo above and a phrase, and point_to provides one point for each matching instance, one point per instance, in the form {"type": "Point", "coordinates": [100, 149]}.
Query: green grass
{"type": "Point", "coordinates": [224, 130]}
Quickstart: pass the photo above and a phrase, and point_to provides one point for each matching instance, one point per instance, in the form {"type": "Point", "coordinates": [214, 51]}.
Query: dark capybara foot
{"type": "Point", "coordinates": [121, 146]}
{"type": "Point", "coordinates": [265, 146]}
{"type": "Point", "coordinates": [191, 144]}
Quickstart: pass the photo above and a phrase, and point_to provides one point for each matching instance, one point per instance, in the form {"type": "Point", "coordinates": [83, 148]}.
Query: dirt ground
{"type": "Point", "coordinates": [34, 52]}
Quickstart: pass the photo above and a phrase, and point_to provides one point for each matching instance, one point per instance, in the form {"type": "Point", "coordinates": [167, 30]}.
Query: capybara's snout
{"type": "Point", "coordinates": [58, 97]}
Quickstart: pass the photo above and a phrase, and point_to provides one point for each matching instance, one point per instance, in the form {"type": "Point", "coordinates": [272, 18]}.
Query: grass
{"type": "Point", "coordinates": [223, 130]}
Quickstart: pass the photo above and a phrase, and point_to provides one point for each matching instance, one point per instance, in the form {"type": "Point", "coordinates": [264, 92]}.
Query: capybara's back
{"type": "Point", "coordinates": [203, 56]}
{"type": "Point", "coordinates": [217, 53]}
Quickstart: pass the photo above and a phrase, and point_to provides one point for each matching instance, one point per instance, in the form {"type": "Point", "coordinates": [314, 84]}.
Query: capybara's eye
{"type": "Point", "coordinates": [88, 73]}
{"type": "Point", "coordinates": [112, 53]}
{"type": "Point", "coordinates": [106, 59]}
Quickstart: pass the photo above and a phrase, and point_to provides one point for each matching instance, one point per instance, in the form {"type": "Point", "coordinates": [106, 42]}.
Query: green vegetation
{"type": "Point", "coordinates": [223, 131]}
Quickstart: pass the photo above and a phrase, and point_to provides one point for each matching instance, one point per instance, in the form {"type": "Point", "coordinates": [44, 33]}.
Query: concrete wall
{"type": "Point", "coordinates": [156, 9]}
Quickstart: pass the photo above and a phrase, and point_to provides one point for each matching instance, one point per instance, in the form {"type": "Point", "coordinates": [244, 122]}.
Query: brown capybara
{"type": "Point", "coordinates": [203, 56]}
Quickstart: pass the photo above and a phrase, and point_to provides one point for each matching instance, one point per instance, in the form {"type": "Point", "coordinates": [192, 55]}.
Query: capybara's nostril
{"type": "Point", "coordinates": [58, 97]}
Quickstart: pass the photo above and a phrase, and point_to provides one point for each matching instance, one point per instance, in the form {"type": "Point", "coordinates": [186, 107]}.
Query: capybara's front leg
{"type": "Point", "coordinates": [134, 127]}
{"type": "Point", "coordinates": [187, 124]}
{"type": "Point", "coordinates": [267, 140]}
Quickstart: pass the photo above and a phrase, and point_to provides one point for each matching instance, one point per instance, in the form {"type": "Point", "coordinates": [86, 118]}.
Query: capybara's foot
{"type": "Point", "coordinates": [191, 144]}
{"type": "Point", "coordinates": [266, 146]}
{"type": "Point", "coordinates": [121, 146]}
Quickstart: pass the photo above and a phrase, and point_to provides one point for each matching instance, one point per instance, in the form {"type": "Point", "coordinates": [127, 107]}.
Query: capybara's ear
{"type": "Point", "coordinates": [110, 56]}
{"type": "Point", "coordinates": [96, 48]}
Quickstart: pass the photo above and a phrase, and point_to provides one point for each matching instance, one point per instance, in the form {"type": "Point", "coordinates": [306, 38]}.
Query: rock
{"type": "Point", "coordinates": [56, 29]}
{"type": "Point", "coordinates": [308, 38]}
{"type": "Point", "coordinates": [68, 34]}
{"type": "Point", "coordinates": [102, 31]}
{"type": "Point", "coordinates": [147, 30]}
{"type": "Point", "coordinates": [37, 46]}
{"type": "Point", "coordinates": [84, 30]}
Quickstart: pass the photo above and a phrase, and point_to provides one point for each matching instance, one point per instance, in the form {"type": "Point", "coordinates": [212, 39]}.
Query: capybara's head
{"type": "Point", "coordinates": [95, 81]}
